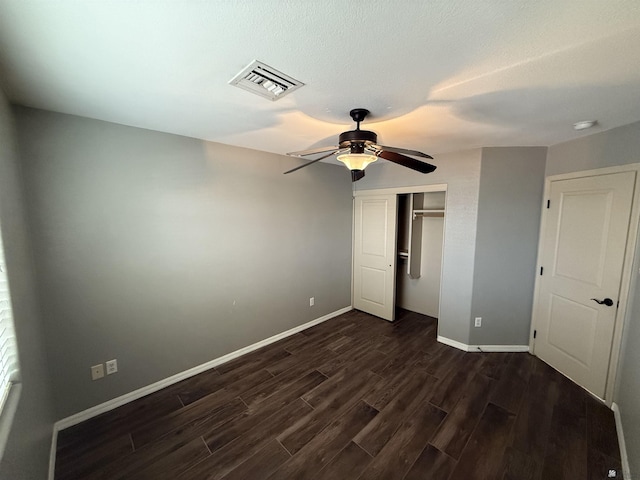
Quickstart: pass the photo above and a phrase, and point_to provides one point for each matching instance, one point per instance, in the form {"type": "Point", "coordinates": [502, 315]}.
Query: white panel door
{"type": "Point", "coordinates": [375, 255]}
{"type": "Point", "coordinates": [583, 252]}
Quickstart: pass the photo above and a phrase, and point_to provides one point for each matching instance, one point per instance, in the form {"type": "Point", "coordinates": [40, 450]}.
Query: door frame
{"type": "Point", "coordinates": [438, 187]}
{"type": "Point", "coordinates": [627, 268]}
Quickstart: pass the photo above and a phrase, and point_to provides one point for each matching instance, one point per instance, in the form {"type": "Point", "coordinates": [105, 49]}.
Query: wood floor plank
{"type": "Point", "coordinates": [217, 438]}
{"type": "Point", "coordinates": [338, 386]}
{"type": "Point", "coordinates": [509, 390]}
{"type": "Point", "coordinates": [530, 433]}
{"type": "Point", "coordinates": [199, 385]}
{"type": "Point", "coordinates": [120, 420]}
{"type": "Point", "coordinates": [348, 463]}
{"type": "Point", "coordinates": [266, 390]}
{"type": "Point", "coordinates": [361, 353]}
{"type": "Point", "coordinates": [494, 364]}
{"type": "Point", "coordinates": [388, 389]}
{"type": "Point", "coordinates": [255, 360]}
{"type": "Point", "coordinates": [232, 376]}
{"type": "Point", "coordinates": [519, 466]}
{"type": "Point", "coordinates": [482, 457]}
{"type": "Point", "coordinates": [307, 356]}
{"type": "Point", "coordinates": [432, 464]}
{"type": "Point", "coordinates": [201, 408]}
{"type": "Point", "coordinates": [450, 389]}
{"type": "Point", "coordinates": [456, 429]}
{"type": "Point", "coordinates": [601, 429]}
{"type": "Point", "coordinates": [398, 455]}
{"type": "Point", "coordinates": [174, 463]}
{"type": "Point", "coordinates": [601, 466]}
{"type": "Point", "coordinates": [92, 457]}
{"type": "Point", "coordinates": [354, 378]}
{"type": "Point", "coordinates": [402, 362]}
{"type": "Point", "coordinates": [361, 357]}
{"type": "Point", "coordinates": [376, 434]}
{"type": "Point", "coordinates": [566, 453]}
{"type": "Point", "coordinates": [261, 465]}
{"type": "Point", "coordinates": [344, 392]}
{"type": "Point", "coordinates": [443, 362]}
{"type": "Point", "coordinates": [196, 425]}
{"type": "Point", "coordinates": [224, 460]}
{"type": "Point", "coordinates": [127, 466]}
{"type": "Point", "coordinates": [326, 445]}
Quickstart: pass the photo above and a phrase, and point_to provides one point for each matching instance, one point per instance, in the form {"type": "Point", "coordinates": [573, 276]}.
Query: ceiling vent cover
{"type": "Point", "coordinates": [265, 81]}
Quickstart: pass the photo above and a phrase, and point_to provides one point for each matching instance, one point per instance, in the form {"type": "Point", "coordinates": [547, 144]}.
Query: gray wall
{"type": "Point", "coordinates": [627, 394]}
{"type": "Point", "coordinates": [166, 252]}
{"type": "Point", "coordinates": [461, 172]}
{"type": "Point", "coordinates": [619, 146]}
{"type": "Point", "coordinates": [510, 199]}
{"type": "Point", "coordinates": [26, 455]}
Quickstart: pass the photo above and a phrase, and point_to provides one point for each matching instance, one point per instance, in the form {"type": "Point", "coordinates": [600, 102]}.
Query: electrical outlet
{"type": "Point", "coordinates": [97, 371]}
{"type": "Point", "coordinates": [112, 366]}
{"type": "Point", "coordinates": [312, 301]}
{"type": "Point", "coordinates": [478, 322]}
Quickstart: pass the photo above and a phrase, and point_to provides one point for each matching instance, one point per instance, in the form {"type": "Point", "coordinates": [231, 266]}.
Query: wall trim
{"type": "Point", "coordinates": [482, 348]}
{"type": "Point", "coordinates": [626, 471]}
{"type": "Point", "coordinates": [52, 453]}
{"type": "Point", "coordinates": [436, 187]}
{"type": "Point", "coordinates": [627, 269]}
{"type": "Point", "coordinates": [154, 387]}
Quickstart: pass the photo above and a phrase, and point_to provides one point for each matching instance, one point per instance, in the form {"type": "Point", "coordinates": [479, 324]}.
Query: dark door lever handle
{"type": "Point", "coordinates": [607, 301]}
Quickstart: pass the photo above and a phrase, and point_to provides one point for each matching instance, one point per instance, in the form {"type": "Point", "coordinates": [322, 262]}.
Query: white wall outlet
{"type": "Point", "coordinates": [312, 301]}
{"type": "Point", "coordinates": [97, 371]}
{"type": "Point", "coordinates": [112, 366]}
{"type": "Point", "coordinates": [478, 322]}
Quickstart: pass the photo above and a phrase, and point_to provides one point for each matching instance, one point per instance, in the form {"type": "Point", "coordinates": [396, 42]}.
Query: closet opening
{"type": "Point", "coordinates": [398, 250]}
{"type": "Point", "coordinates": [420, 245]}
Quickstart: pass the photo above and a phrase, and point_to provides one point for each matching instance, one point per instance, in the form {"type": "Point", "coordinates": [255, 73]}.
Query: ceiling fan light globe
{"type": "Point", "coordinates": [357, 161]}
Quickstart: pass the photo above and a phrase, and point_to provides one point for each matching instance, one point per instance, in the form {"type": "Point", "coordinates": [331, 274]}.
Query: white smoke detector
{"type": "Point", "coordinates": [584, 124]}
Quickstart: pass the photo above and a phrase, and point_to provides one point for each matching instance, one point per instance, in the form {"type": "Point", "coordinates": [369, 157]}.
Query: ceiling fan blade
{"type": "Point", "coordinates": [405, 161]}
{"type": "Point", "coordinates": [405, 151]}
{"type": "Point", "coordinates": [312, 151]}
{"type": "Point", "coordinates": [356, 175]}
{"type": "Point", "coordinates": [313, 161]}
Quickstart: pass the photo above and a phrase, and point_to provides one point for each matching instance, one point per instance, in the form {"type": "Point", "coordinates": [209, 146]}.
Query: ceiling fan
{"type": "Point", "coordinates": [358, 148]}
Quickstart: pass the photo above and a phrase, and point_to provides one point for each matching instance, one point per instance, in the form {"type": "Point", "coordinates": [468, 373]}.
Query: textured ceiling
{"type": "Point", "coordinates": [437, 75]}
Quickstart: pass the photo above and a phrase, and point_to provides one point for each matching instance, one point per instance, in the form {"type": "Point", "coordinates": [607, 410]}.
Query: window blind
{"type": "Point", "coordinates": [8, 353]}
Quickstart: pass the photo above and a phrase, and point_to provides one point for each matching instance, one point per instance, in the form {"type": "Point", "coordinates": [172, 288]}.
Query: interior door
{"type": "Point", "coordinates": [583, 250]}
{"type": "Point", "coordinates": [374, 276]}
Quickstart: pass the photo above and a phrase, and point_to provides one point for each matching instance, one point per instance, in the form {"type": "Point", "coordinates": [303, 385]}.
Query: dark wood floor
{"type": "Point", "coordinates": [354, 397]}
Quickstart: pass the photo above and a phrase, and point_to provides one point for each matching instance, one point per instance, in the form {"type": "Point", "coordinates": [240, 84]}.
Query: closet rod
{"type": "Point", "coordinates": [422, 213]}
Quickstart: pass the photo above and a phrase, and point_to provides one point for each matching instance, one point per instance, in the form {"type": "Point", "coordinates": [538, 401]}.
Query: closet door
{"type": "Point", "coordinates": [374, 276]}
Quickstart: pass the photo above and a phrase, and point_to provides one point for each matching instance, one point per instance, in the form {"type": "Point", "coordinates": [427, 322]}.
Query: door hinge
{"type": "Point", "coordinates": [548, 203]}
{"type": "Point", "coordinates": [541, 270]}
{"type": "Point", "coordinates": [535, 332]}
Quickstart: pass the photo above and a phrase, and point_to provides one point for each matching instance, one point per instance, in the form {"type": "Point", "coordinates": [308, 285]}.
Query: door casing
{"type": "Point", "coordinates": [441, 187]}
{"type": "Point", "coordinates": [627, 269]}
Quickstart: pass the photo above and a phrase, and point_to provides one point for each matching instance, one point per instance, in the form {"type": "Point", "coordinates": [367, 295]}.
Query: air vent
{"type": "Point", "coordinates": [265, 81]}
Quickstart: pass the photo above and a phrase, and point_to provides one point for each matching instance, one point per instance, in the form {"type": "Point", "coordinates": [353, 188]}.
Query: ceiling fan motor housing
{"type": "Point", "coordinates": [363, 137]}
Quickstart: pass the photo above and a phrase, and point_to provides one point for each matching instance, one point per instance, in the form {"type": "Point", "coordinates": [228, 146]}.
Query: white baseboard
{"type": "Point", "coordinates": [482, 348]}
{"type": "Point", "coordinates": [154, 387]}
{"type": "Point", "coordinates": [454, 343]}
{"type": "Point", "coordinates": [52, 454]}
{"type": "Point", "coordinates": [626, 471]}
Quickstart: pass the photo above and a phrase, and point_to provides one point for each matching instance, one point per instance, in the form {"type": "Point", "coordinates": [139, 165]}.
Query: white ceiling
{"type": "Point", "coordinates": [438, 75]}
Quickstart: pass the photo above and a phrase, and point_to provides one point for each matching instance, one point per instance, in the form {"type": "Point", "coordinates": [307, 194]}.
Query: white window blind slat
{"type": "Point", "coordinates": [8, 357]}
